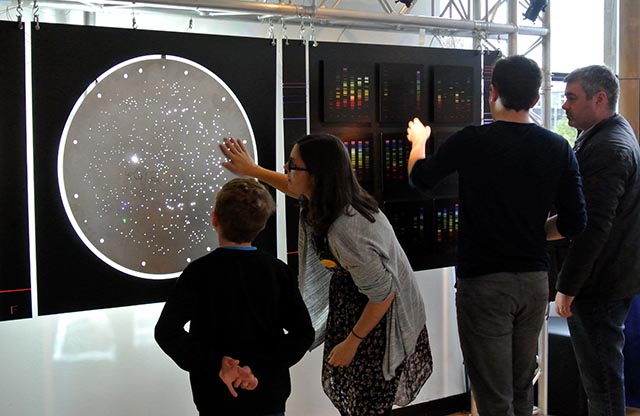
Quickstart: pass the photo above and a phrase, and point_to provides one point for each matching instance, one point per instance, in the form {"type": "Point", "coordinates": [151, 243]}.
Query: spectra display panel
{"type": "Point", "coordinates": [347, 92]}
{"type": "Point", "coordinates": [427, 230]}
{"type": "Point", "coordinates": [453, 94]}
{"type": "Point", "coordinates": [395, 154]}
{"type": "Point", "coordinates": [401, 91]}
{"type": "Point", "coordinates": [359, 149]}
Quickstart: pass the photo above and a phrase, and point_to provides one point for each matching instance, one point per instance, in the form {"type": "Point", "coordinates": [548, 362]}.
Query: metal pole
{"type": "Point", "coordinates": [477, 16]}
{"type": "Point", "coordinates": [512, 48]}
{"type": "Point", "coordinates": [546, 70]}
{"type": "Point", "coordinates": [543, 341]}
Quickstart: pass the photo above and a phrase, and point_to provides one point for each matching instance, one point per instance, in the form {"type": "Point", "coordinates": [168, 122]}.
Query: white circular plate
{"type": "Point", "coordinates": [139, 164]}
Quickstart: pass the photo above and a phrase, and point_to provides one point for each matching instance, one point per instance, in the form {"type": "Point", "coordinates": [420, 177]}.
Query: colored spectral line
{"type": "Point", "coordinates": [292, 252]}
{"type": "Point", "coordinates": [28, 289]}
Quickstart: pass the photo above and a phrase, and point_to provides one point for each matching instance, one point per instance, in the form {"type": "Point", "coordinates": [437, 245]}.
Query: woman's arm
{"type": "Point", "coordinates": [241, 163]}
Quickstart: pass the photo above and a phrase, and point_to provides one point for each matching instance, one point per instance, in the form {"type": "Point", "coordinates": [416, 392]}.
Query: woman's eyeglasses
{"type": "Point", "coordinates": [291, 166]}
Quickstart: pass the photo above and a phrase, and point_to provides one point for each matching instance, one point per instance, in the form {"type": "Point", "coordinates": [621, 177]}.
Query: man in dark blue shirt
{"type": "Point", "coordinates": [511, 173]}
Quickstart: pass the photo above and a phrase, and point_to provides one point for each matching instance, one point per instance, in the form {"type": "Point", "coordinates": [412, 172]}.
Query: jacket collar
{"type": "Point", "coordinates": [592, 131]}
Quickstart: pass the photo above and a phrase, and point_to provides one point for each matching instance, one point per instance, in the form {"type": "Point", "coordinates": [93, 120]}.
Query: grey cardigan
{"type": "Point", "coordinates": [379, 267]}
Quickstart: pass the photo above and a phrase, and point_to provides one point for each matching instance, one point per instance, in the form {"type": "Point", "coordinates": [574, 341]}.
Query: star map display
{"type": "Point", "coordinates": [139, 164]}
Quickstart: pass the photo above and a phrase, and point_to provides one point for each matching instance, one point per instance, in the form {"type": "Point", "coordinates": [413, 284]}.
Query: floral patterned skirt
{"type": "Point", "coordinates": [361, 389]}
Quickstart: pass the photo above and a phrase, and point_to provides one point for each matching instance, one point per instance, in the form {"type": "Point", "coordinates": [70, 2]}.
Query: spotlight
{"type": "Point", "coordinates": [535, 7]}
{"type": "Point", "coordinates": [405, 2]}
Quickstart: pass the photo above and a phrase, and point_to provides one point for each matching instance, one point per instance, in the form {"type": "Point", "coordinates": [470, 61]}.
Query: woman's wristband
{"type": "Point", "coordinates": [357, 336]}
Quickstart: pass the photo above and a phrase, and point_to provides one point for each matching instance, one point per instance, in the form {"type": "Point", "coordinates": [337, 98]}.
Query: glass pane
{"type": "Point", "coordinates": [577, 34]}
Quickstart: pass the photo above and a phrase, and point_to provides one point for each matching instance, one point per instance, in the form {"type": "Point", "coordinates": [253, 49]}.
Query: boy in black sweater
{"type": "Point", "coordinates": [248, 323]}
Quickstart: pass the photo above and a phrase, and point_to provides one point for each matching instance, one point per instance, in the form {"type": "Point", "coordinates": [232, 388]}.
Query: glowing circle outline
{"type": "Point", "coordinates": [64, 138]}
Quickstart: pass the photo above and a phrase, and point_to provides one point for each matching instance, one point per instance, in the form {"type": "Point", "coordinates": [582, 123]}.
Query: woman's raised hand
{"type": "Point", "coordinates": [240, 162]}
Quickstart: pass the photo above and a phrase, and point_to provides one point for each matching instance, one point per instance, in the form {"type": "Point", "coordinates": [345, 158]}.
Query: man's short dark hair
{"type": "Point", "coordinates": [596, 78]}
{"type": "Point", "coordinates": [243, 207]}
{"type": "Point", "coordinates": [518, 81]}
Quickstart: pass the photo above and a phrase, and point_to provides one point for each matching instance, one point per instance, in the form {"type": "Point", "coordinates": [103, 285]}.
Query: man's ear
{"type": "Point", "coordinates": [494, 94]}
{"type": "Point", "coordinates": [601, 98]}
{"type": "Point", "coordinates": [533, 104]}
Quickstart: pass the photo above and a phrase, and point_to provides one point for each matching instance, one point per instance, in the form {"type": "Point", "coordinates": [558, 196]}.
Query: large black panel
{"type": "Point", "coordinates": [366, 94]}
{"type": "Point", "coordinates": [15, 286]}
{"type": "Point", "coordinates": [66, 60]}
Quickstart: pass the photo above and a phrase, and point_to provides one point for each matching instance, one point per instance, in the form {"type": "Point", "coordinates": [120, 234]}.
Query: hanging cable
{"type": "Point", "coordinates": [36, 14]}
{"type": "Point", "coordinates": [134, 24]}
{"type": "Point", "coordinates": [284, 33]}
{"type": "Point", "coordinates": [312, 35]}
{"type": "Point", "coordinates": [271, 33]}
{"type": "Point", "coordinates": [304, 41]}
{"type": "Point", "coordinates": [19, 15]}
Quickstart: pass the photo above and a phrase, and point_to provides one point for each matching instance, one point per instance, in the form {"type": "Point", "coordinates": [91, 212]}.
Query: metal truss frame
{"type": "Point", "coordinates": [487, 22]}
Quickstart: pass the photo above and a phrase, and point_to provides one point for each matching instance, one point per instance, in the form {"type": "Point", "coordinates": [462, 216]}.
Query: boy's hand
{"type": "Point", "coordinates": [246, 380]}
{"type": "Point", "coordinates": [229, 373]}
{"type": "Point", "coordinates": [234, 376]}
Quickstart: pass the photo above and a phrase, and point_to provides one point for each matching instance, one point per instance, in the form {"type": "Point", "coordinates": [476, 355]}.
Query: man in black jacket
{"type": "Point", "coordinates": [601, 273]}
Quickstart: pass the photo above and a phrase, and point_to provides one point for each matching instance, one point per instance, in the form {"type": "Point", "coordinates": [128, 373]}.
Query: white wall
{"type": "Point", "coordinates": [106, 362]}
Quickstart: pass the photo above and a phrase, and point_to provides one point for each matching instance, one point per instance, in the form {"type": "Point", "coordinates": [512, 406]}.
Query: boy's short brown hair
{"type": "Point", "coordinates": [243, 207]}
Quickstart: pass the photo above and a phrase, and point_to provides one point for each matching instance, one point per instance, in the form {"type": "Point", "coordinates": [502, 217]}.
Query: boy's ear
{"type": "Point", "coordinates": [214, 219]}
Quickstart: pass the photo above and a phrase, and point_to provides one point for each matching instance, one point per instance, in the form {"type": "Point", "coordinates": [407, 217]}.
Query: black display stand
{"type": "Point", "coordinates": [366, 94]}
{"type": "Point", "coordinates": [15, 285]}
{"type": "Point", "coordinates": [66, 59]}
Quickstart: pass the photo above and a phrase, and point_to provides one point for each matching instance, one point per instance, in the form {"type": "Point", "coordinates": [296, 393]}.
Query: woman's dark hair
{"type": "Point", "coordinates": [335, 186]}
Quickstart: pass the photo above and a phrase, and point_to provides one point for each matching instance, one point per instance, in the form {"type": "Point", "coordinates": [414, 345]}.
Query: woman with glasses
{"type": "Point", "coordinates": [376, 346]}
